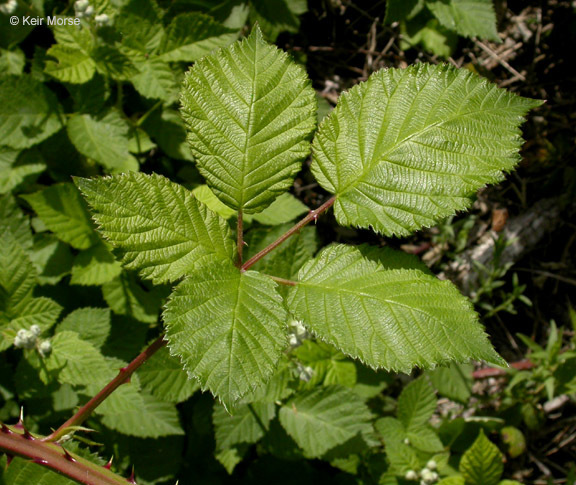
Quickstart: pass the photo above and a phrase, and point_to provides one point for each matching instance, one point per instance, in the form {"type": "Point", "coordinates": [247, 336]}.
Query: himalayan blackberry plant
{"type": "Point", "coordinates": [399, 152]}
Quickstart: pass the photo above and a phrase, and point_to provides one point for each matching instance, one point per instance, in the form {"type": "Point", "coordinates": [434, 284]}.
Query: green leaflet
{"type": "Point", "coordinates": [407, 147]}
{"type": "Point", "coordinates": [12, 221]}
{"type": "Point", "coordinates": [276, 16]}
{"type": "Point", "coordinates": [250, 112]}
{"type": "Point", "coordinates": [416, 404]}
{"type": "Point", "coordinates": [16, 166]}
{"type": "Point", "coordinates": [140, 22]}
{"type": "Point", "coordinates": [160, 228]}
{"type": "Point", "coordinates": [366, 310]}
{"type": "Point", "coordinates": [323, 418]}
{"type": "Point", "coordinates": [95, 266]}
{"type": "Point", "coordinates": [21, 472]}
{"type": "Point", "coordinates": [126, 297]}
{"type": "Point", "coordinates": [12, 61]}
{"type": "Point", "coordinates": [482, 462]}
{"type": "Point", "coordinates": [17, 274]}
{"type": "Point", "coordinates": [470, 18]}
{"type": "Point", "coordinates": [247, 424]}
{"type": "Point", "coordinates": [64, 212]}
{"type": "Point", "coordinates": [91, 324]}
{"type": "Point", "coordinates": [163, 377]}
{"type": "Point", "coordinates": [104, 140]}
{"type": "Point", "coordinates": [72, 66]}
{"type": "Point", "coordinates": [29, 112]}
{"type": "Point", "coordinates": [227, 328]}
{"type": "Point", "coordinates": [152, 419]}
{"type": "Point", "coordinates": [193, 35]}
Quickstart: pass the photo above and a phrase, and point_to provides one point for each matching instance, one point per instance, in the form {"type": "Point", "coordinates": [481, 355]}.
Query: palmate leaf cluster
{"type": "Point", "coordinates": [399, 152]}
{"type": "Point", "coordinates": [139, 254]}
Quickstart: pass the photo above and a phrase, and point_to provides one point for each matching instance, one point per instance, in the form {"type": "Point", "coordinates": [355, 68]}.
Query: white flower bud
{"type": "Point", "coordinates": [411, 475]}
{"type": "Point", "coordinates": [102, 19]}
{"type": "Point", "coordinates": [45, 348]}
{"type": "Point", "coordinates": [9, 7]}
{"type": "Point", "coordinates": [24, 339]}
{"type": "Point", "coordinates": [89, 11]}
{"type": "Point", "coordinates": [36, 330]}
{"type": "Point", "coordinates": [431, 465]}
{"type": "Point", "coordinates": [406, 441]}
{"type": "Point", "coordinates": [293, 341]}
{"type": "Point", "coordinates": [81, 5]}
{"type": "Point", "coordinates": [305, 373]}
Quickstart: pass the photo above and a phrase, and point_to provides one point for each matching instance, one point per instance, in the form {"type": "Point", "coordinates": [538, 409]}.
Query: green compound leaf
{"type": "Point", "coordinates": [191, 36]}
{"type": "Point", "coordinates": [227, 327]}
{"type": "Point", "coordinates": [470, 18]}
{"type": "Point", "coordinates": [160, 228]}
{"type": "Point", "coordinates": [64, 212]}
{"type": "Point", "coordinates": [409, 146]}
{"type": "Point", "coordinates": [482, 462]}
{"type": "Point", "coordinates": [72, 66]}
{"type": "Point", "coordinates": [250, 112]}
{"type": "Point", "coordinates": [29, 112]}
{"type": "Point", "coordinates": [104, 140]}
{"type": "Point", "coordinates": [325, 417]}
{"type": "Point", "coordinates": [365, 310]}
{"type": "Point", "coordinates": [247, 424]}
{"type": "Point", "coordinates": [162, 375]}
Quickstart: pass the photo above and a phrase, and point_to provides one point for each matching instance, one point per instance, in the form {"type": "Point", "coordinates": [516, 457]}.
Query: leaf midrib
{"type": "Point", "coordinates": [353, 184]}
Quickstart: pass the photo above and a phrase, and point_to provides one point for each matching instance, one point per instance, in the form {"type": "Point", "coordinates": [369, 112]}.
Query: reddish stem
{"type": "Point", "coordinates": [123, 376]}
{"type": "Point", "coordinates": [497, 372]}
{"type": "Point", "coordinates": [312, 216]}
{"type": "Point", "coordinates": [18, 442]}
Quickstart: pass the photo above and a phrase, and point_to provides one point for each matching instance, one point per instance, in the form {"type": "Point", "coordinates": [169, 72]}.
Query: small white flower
{"type": "Point", "coordinates": [89, 11]}
{"type": "Point", "coordinates": [81, 5]}
{"type": "Point", "coordinates": [411, 475]}
{"type": "Point", "coordinates": [305, 372]}
{"type": "Point", "coordinates": [431, 465]}
{"type": "Point", "coordinates": [102, 19]}
{"type": "Point", "coordinates": [406, 441]}
{"type": "Point", "coordinates": [9, 7]}
{"type": "Point", "coordinates": [36, 330]}
{"type": "Point", "coordinates": [24, 339]}
{"type": "Point", "coordinates": [45, 348]}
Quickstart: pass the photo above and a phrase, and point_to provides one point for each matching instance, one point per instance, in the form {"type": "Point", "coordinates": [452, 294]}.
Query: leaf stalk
{"type": "Point", "coordinates": [312, 216]}
{"type": "Point", "coordinates": [123, 376]}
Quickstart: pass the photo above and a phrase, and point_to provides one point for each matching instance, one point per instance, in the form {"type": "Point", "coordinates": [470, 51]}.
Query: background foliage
{"type": "Point", "coordinates": [104, 100]}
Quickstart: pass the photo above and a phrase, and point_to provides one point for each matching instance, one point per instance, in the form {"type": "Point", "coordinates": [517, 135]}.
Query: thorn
{"type": "Point", "coordinates": [20, 423]}
{"type": "Point", "coordinates": [9, 459]}
{"type": "Point", "coordinates": [68, 456]}
{"type": "Point", "coordinates": [245, 244]}
{"type": "Point", "coordinates": [5, 429]}
{"type": "Point", "coordinates": [40, 461]}
{"type": "Point", "coordinates": [26, 435]}
{"type": "Point", "coordinates": [132, 478]}
{"type": "Point", "coordinates": [109, 464]}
